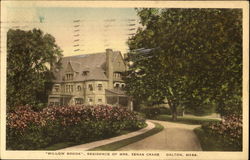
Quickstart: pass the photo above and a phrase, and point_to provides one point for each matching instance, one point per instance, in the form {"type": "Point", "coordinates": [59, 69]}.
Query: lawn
{"type": "Point", "coordinates": [212, 143]}
{"type": "Point", "coordinates": [60, 146]}
{"type": "Point", "coordinates": [116, 145]}
{"type": "Point", "coordinates": [185, 120]}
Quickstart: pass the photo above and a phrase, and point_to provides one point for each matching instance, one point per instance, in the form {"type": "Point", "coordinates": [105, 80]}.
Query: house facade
{"type": "Point", "coordinates": [90, 79]}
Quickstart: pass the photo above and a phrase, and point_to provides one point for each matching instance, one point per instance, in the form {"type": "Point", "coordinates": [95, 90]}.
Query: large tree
{"type": "Point", "coordinates": [195, 61]}
{"type": "Point", "coordinates": [30, 55]}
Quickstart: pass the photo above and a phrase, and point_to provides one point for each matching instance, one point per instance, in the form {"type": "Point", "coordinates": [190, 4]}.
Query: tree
{"type": "Point", "coordinates": [29, 56]}
{"type": "Point", "coordinates": [196, 59]}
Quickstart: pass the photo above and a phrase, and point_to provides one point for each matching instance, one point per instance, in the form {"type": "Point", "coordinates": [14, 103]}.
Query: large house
{"type": "Point", "coordinates": [90, 79]}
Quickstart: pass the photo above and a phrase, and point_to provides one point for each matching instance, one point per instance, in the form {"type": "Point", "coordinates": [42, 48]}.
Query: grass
{"type": "Point", "coordinates": [116, 145]}
{"type": "Point", "coordinates": [185, 120]}
{"type": "Point", "coordinates": [62, 145]}
{"type": "Point", "coordinates": [212, 143]}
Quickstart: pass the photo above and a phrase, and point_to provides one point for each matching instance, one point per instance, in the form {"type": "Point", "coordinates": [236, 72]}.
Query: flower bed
{"type": "Point", "coordinates": [228, 132]}
{"type": "Point", "coordinates": [27, 129]}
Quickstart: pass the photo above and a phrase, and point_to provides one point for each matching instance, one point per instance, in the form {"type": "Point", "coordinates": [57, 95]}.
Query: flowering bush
{"type": "Point", "coordinates": [25, 125]}
{"type": "Point", "coordinates": [228, 131]}
{"type": "Point", "coordinates": [27, 129]}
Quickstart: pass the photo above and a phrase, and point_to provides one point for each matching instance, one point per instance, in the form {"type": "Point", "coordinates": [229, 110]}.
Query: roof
{"type": "Point", "coordinates": [115, 92]}
{"type": "Point", "coordinates": [94, 64]}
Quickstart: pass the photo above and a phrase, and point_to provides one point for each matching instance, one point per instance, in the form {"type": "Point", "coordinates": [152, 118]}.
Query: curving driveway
{"type": "Point", "coordinates": [174, 137]}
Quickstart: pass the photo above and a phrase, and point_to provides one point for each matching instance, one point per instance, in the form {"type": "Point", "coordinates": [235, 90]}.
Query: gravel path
{"type": "Point", "coordinates": [174, 137]}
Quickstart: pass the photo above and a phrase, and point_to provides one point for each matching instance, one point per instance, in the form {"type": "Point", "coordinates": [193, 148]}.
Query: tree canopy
{"type": "Point", "coordinates": [30, 55]}
{"type": "Point", "coordinates": [195, 59]}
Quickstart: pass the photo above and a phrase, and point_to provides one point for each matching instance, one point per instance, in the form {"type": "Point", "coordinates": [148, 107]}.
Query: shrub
{"type": "Point", "coordinates": [24, 129]}
{"type": "Point", "coordinates": [228, 131]}
{"type": "Point", "coordinates": [27, 129]}
{"type": "Point", "coordinates": [152, 112]}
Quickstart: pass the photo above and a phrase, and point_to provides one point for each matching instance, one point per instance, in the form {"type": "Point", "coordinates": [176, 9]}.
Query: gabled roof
{"type": "Point", "coordinates": [93, 63]}
{"type": "Point", "coordinates": [74, 65]}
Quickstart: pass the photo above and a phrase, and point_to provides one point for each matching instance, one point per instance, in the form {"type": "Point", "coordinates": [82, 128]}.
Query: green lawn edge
{"type": "Point", "coordinates": [60, 146]}
{"type": "Point", "coordinates": [211, 143]}
{"type": "Point", "coordinates": [116, 145]}
{"type": "Point", "coordinates": [208, 143]}
{"type": "Point", "coordinates": [185, 120]}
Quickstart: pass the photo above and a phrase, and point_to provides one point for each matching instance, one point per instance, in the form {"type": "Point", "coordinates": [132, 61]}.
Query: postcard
{"type": "Point", "coordinates": [124, 80]}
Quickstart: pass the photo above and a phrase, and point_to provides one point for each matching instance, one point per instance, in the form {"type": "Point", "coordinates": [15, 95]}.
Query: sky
{"type": "Point", "coordinates": [78, 30]}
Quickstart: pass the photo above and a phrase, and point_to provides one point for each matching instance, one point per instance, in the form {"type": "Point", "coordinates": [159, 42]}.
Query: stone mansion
{"type": "Point", "coordinates": [90, 79]}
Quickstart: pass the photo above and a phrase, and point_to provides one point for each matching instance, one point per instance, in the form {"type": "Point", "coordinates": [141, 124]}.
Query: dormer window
{"type": "Point", "coordinates": [85, 73]}
{"type": "Point", "coordinates": [117, 75]}
{"type": "Point", "coordinates": [69, 76]}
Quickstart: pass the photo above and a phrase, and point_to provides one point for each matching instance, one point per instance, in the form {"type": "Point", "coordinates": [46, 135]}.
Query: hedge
{"type": "Point", "coordinates": [30, 130]}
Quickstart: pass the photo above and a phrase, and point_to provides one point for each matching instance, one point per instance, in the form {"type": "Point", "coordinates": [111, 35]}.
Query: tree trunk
{"type": "Point", "coordinates": [173, 111]}
{"type": "Point", "coordinates": [174, 114]}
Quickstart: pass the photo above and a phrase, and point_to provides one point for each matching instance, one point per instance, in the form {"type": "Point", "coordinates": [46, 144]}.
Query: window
{"type": "Point", "coordinates": [85, 73]}
{"type": "Point", "coordinates": [79, 88]}
{"type": "Point", "coordinates": [69, 88]}
{"type": "Point", "coordinates": [100, 100]}
{"type": "Point", "coordinates": [90, 100]}
{"type": "Point", "coordinates": [69, 76]}
{"type": "Point", "coordinates": [117, 75]}
{"type": "Point", "coordinates": [90, 87]}
{"type": "Point", "coordinates": [123, 85]}
{"type": "Point", "coordinates": [99, 86]}
{"type": "Point", "coordinates": [56, 88]}
{"type": "Point", "coordinates": [116, 85]}
{"type": "Point", "coordinates": [78, 100]}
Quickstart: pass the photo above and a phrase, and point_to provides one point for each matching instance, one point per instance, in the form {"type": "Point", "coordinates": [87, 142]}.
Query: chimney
{"type": "Point", "coordinates": [109, 68]}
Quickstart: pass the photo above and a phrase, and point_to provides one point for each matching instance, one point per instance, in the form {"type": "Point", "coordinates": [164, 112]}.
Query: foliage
{"type": "Point", "coordinates": [24, 129]}
{"type": "Point", "coordinates": [228, 131]}
{"type": "Point", "coordinates": [29, 55]}
{"type": "Point", "coordinates": [206, 110]}
{"type": "Point", "coordinates": [27, 129]}
{"type": "Point", "coordinates": [191, 57]}
{"type": "Point", "coordinates": [152, 112]}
